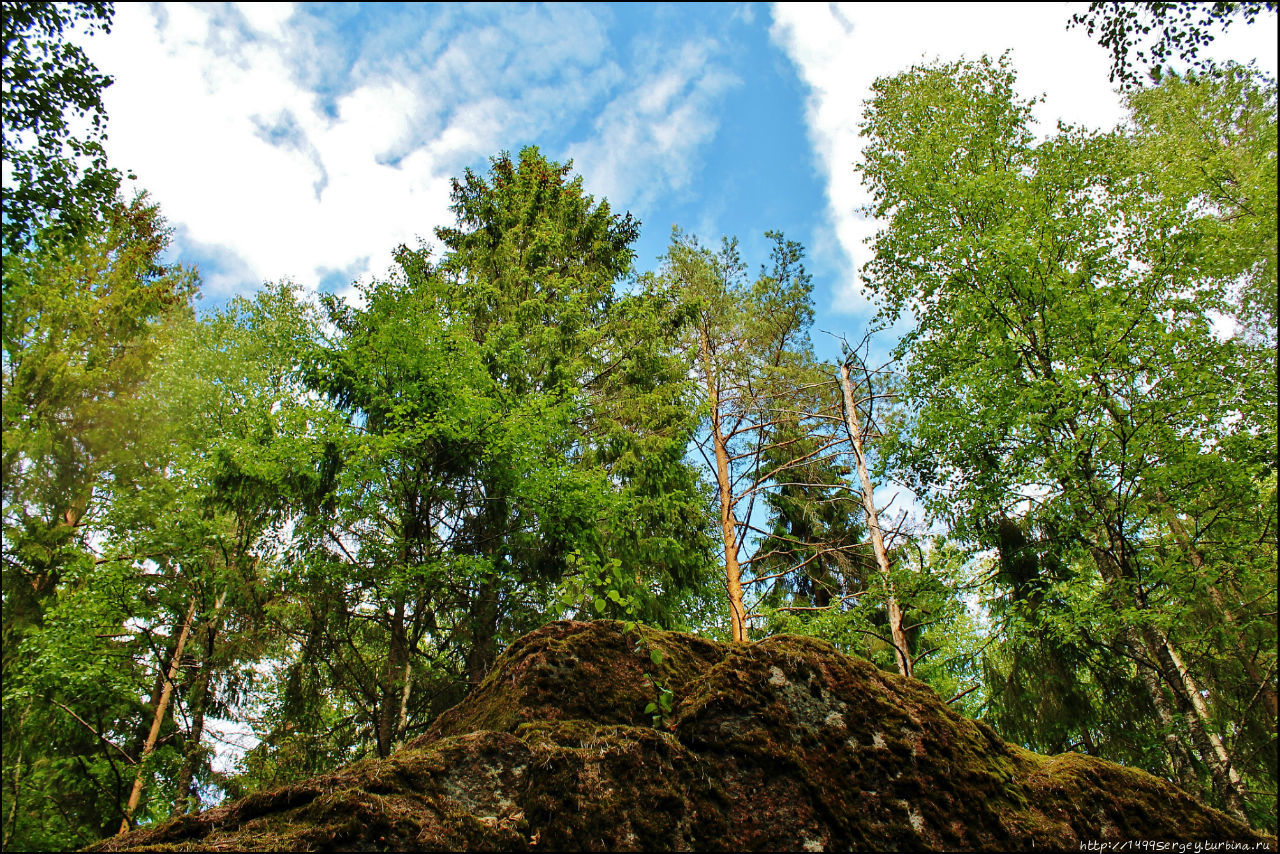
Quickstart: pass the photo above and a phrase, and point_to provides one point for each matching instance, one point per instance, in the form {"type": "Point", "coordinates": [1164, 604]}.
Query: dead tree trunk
{"type": "Point", "coordinates": [854, 427]}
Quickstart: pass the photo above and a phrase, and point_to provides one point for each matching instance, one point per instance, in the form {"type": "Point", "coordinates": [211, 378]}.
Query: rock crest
{"type": "Point", "coordinates": [785, 744]}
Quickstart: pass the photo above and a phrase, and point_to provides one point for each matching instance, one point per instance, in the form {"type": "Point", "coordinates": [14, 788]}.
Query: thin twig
{"type": "Point", "coordinates": [89, 727]}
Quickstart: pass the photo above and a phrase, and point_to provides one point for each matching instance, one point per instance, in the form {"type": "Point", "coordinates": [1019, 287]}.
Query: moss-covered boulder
{"type": "Point", "coordinates": [785, 744]}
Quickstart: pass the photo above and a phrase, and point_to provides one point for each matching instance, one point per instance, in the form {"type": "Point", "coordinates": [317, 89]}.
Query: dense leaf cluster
{"type": "Point", "coordinates": [55, 172]}
{"type": "Point", "coordinates": [1077, 407]}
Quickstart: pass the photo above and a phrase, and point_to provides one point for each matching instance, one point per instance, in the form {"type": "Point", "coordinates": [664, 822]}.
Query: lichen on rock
{"type": "Point", "coordinates": [785, 744]}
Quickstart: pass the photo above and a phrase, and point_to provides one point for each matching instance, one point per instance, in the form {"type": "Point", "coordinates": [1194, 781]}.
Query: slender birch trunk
{"type": "Point", "coordinates": [161, 708]}
{"type": "Point", "coordinates": [1186, 692]}
{"type": "Point", "coordinates": [12, 821]}
{"type": "Point", "coordinates": [1196, 712]}
{"type": "Point", "coordinates": [851, 423]}
{"type": "Point", "coordinates": [1180, 763]}
{"type": "Point", "coordinates": [402, 722]}
{"type": "Point", "coordinates": [1265, 690]}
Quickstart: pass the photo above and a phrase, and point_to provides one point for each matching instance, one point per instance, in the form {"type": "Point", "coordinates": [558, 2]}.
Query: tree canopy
{"type": "Point", "coordinates": [317, 519]}
{"type": "Point", "coordinates": [55, 179]}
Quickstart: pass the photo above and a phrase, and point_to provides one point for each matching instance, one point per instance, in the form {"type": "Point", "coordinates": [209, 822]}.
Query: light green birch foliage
{"type": "Point", "coordinates": [1063, 367]}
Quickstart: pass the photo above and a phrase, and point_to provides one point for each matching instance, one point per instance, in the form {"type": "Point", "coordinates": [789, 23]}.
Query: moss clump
{"type": "Point", "coordinates": [784, 744]}
{"type": "Point", "coordinates": [567, 671]}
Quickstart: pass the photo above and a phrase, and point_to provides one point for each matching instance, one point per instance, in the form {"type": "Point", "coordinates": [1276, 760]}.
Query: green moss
{"type": "Point", "coordinates": [782, 744]}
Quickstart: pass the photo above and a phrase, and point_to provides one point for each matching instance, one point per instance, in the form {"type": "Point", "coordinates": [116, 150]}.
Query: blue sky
{"type": "Point", "coordinates": [305, 141]}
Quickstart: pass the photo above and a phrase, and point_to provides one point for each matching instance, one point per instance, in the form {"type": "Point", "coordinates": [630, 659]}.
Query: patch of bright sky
{"type": "Point", "coordinates": [306, 141]}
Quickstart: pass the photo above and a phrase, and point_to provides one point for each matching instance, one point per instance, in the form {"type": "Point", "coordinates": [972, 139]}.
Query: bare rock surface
{"type": "Point", "coordinates": [785, 744]}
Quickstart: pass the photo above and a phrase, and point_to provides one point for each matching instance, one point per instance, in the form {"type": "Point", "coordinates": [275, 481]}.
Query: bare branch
{"type": "Point", "coordinates": [89, 727]}
{"type": "Point", "coordinates": [963, 693]}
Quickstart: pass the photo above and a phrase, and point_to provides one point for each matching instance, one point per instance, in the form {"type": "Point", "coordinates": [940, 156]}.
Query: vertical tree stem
{"type": "Point", "coordinates": [403, 722]}
{"type": "Point", "coordinates": [138, 781]}
{"type": "Point", "coordinates": [873, 524]}
{"type": "Point", "coordinates": [1268, 694]}
{"type": "Point", "coordinates": [199, 701]}
{"type": "Point", "coordinates": [728, 523]}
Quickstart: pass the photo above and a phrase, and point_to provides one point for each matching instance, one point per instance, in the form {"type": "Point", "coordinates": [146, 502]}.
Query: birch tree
{"type": "Point", "coordinates": [1064, 369]}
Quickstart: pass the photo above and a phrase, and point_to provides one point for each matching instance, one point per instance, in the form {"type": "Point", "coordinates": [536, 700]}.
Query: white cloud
{"type": "Point", "coordinates": [193, 116]}
{"type": "Point", "coordinates": [282, 142]}
{"type": "Point", "coordinates": [213, 111]}
{"type": "Point", "coordinates": [647, 139]}
{"type": "Point", "coordinates": [267, 18]}
{"type": "Point", "coordinates": [839, 49]}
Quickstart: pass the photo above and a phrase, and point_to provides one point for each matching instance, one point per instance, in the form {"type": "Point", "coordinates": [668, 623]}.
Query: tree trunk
{"type": "Point", "coordinates": [389, 702]}
{"type": "Point", "coordinates": [157, 690]}
{"type": "Point", "coordinates": [1195, 712]}
{"type": "Point", "coordinates": [484, 631]}
{"type": "Point", "coordinates": [185, 802]}
{"type": "Point", "coordinates": [12, 820]}
{"type": "Point", "coordinates": [1180, 763]}
{"type": "Point", "coordinates": [851, 423]}
{"type": "Point", "coordinates": [161, 708]}
{"type": "Point", "coordinates": [200, 692]}
{"type": "Point", "coordinates": [1262, 683]}
{"type": "Point", "coordinates": [729, 536]}
{"type": "Point", "coordinates": [728, 522]}
{"type": "Point", "coordinates": [1089, 747]}
{"type": "Point", "coordinates": [402, 724]}
{"type": "Point", "coordinates": [1226, 780]}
